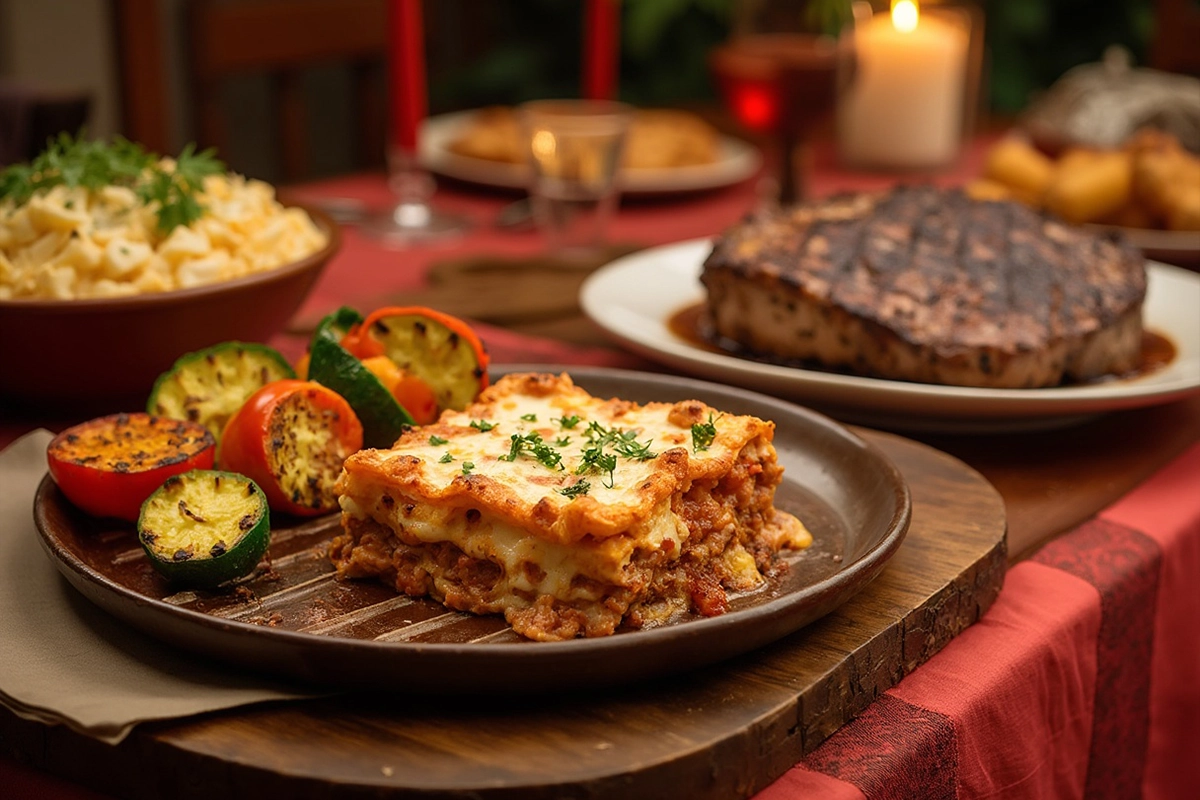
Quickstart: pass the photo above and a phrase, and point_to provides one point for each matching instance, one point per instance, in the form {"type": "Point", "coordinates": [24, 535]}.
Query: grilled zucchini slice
{"type": "Point", "coordinates": [383, 418]}
{"type": "Point", "coordinates": [205, 527]}
{"type": "Point", "coordinates": [207, 386]}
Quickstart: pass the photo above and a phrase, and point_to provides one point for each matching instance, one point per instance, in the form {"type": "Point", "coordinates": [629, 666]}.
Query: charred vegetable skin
{"type": "Point", "coordinates": [108, 466]}
{"type": "Point", "coordinates": [383, 418]}
{"type": "Point", "coordinates": [205, 527]}
{"type": "Point", "coordinates": [291, 438]}
{"type": "Point", "coordinates": [207, 386]}
{"type": "Point", "coordinates": [439, 349]}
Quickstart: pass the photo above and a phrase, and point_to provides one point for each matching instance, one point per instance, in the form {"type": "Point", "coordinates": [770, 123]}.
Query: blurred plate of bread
{"type": "Point", "coordinates": [667, 151]}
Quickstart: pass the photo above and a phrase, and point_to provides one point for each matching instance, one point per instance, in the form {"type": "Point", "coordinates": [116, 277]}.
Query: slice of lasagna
{"type": "Point", "coordinates": [569, 514]}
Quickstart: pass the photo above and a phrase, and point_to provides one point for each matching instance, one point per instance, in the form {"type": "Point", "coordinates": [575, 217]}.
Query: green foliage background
{"type": "Point", "coordinates": [1032, 42]}
{"type": "Point", "coordinates": [534, 47]}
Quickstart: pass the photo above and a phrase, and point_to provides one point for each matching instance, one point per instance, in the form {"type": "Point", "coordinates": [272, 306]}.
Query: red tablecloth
{"type": "Point", "coordinates": [1083, 680]}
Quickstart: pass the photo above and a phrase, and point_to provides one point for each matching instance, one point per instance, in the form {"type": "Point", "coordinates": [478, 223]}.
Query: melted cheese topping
{"type": "Point", "coordinates": [462, 480]}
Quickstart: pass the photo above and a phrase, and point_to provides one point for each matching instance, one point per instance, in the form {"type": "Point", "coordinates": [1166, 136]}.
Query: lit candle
{"type": "Point", "coordinates": [602, 42]}
{"type": "Point", "coordinates": [406, 72]}
{"type": "Point", "coordinates": [904, 107]}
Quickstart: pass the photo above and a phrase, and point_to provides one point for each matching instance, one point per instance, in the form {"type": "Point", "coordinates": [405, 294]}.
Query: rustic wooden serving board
{"type": "Point", "coordinates": [721, 732]}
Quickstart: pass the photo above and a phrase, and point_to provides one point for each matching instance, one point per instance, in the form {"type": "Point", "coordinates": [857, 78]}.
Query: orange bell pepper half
{"type": "Point", "coordinates": [441, 350]}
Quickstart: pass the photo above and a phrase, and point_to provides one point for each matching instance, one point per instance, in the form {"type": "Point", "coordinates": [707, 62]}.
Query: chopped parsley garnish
{"type": "Point", "coordinates": [623, 441]}
{"type": "Point", "coordinates": [446, 458]}
{"type": "Point", "coordinates": [529, 417]}
{"type": "Point", "coordinates": [596, 432]}
{"type": "Point", "coordinates": [74, 161]}
{"type": "Point", "coordinates": [482, 425]}
{"type": "Point", "coordinates": [517, 447]}
{"type": "Point", "coordinates": [569, 422]}
{"type": "Point", "coordinates": [626, 444]}
{"type": "Point", "coordinates": [703, 434]}
{"type": "Point", "coordinates": [576, 489]}
{"type": "Point", "coordinates": [437, 440]}
{"type": "Point", "coordinates": [596, 460]}
{"type": "Point", "coordinates": [467, 467]}
{"type": "Point", "coordinates": [562, 441]}
{"type": "Point", "coordinates": [533, 445]}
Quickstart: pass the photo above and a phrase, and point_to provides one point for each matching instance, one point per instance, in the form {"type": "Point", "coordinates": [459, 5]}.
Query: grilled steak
{"type": "Point", "coordinates": [925, 284]}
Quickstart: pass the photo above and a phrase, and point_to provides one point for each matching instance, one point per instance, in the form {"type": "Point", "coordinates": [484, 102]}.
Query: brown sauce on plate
{"type": "Point", "coordinates": [690, 324]}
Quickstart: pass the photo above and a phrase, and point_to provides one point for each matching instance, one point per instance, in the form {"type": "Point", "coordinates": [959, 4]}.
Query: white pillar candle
{"type": "Point", "coordinates": [904, 106]}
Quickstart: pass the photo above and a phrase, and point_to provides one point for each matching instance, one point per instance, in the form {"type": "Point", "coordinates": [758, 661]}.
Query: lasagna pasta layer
{"type": "Point", "coordinates": [569, 514]}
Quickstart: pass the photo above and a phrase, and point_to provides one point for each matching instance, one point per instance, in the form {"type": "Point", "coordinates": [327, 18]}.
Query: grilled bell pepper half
{"type": "Point", "coordinates": [205, 527]}
{"type": "Point", "coordinates": [383, 418]}
{"type": "Point", "coordinates": [291, 437]}
{"type": "Point", "coordinates": [207, 386]}
{"type": "Point", "coordinates": [108, 466]}
{"type": "Point", "coordinates": [439, 349]}
{"type": "Point", "coordinates": [413, 394]}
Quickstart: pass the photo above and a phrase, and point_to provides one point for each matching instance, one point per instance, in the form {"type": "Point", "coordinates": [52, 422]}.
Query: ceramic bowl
{"type": "Point", "coordinates": [103, 355]}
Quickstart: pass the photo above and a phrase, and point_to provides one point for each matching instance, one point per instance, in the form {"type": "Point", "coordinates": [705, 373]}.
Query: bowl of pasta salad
{"type": "Point", "coordinates": [114, 262]}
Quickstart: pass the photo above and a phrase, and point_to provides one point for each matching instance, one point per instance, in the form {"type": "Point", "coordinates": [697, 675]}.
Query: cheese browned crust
{"type": "Point", "coordinates": [652, 538]}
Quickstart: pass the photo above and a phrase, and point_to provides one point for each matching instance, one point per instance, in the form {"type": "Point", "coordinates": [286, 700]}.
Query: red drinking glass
{"type": "Point", "coordinates": [784, 85]}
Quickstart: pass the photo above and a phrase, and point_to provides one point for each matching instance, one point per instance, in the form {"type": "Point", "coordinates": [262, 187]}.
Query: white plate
{"type": "Point", "coordinates": [1172, 247]}
{"type": "Point", "coordinates": [634, 297]}
{"type": "Point", "coordinates": [736, 161]}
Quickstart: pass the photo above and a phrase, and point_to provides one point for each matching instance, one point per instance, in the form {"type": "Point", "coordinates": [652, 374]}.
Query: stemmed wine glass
{"type": "Point", "coordinates": [412, 219]}
{"type": "Point", "coordinates": [783, 85]}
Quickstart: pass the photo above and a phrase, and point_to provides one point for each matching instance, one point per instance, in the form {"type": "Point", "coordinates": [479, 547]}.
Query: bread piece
{"type": "Point", "coordinates": [1015, 163]}
{"type": "Point", "coordinates": [1089, 185]}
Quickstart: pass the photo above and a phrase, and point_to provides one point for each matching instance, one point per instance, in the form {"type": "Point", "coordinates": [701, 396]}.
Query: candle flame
{"type": "Point", "coordinates": [905, 15]}
{"type": "Point", "coordinates": [544, 144]}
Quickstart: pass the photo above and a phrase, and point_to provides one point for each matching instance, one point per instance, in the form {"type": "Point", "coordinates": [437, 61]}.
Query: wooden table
{"type": "Point", "coordinates": [748, 719]}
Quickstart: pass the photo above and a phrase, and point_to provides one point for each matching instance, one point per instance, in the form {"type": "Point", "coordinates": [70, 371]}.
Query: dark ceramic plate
{"type": "Point", "coordinates": [296, 620]}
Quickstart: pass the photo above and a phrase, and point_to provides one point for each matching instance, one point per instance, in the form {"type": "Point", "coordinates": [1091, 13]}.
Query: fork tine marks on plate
{"type": "Point", "coordinates": [504, 634]}
{"type": "Point", "coordinates": [276, 599]}
{"type": "Point", "coordinates": [409, 632]}
{"type": "Point", "coordinates": [358, 616]}
{"type": "Point", "coordinates": [126, 556]}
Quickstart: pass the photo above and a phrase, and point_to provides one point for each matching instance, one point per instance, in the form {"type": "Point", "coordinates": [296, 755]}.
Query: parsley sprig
{"type": "Point", "coordinates": [704, 433]}
{"type": "Point", "coordinates": [76, 162]}
{"type": "Point", "coordinates": [596, 460]}
{"type": "Point", "coordinates": [577, 489]}
{"type": "Point", "coordinates": [533, 445]}
{"type": "Point", "coordinates": [624, 442]}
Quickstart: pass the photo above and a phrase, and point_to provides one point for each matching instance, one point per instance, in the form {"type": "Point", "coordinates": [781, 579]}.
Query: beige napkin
{"type": "Point", "coordinates": [63, 660]}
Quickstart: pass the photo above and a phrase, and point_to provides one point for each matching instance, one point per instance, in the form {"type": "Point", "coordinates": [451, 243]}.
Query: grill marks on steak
{"type": "Point", "coordinates": [928, 285]}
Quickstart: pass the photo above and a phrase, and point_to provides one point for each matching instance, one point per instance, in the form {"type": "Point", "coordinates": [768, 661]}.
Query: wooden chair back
{"type": "Point", "coordinates": [281, 39]}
